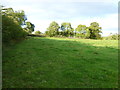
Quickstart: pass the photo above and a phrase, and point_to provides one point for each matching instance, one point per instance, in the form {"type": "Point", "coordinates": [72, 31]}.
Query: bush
{"type": "Point", "coordinates": [113, 37]}
{"type": "Point", "coordinates": [37, 32]}
{"type": "Point", "coordinates": [11, 30]}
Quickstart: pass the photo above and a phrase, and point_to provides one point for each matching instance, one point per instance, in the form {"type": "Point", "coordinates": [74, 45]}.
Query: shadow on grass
{"type": "Point", "coordinates": [48, 62]}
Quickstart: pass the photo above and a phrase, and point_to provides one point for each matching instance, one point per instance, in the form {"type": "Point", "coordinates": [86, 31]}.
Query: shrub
{"type": "Point", "coordinates": [37, 32]}
{"type": "Point", "coordinates": [112, 37]}
{"type": "Point", "coordinates": [11, 30]}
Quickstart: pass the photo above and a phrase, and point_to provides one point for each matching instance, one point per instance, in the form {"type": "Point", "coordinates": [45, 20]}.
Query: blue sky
{"type": "Point", "coordinates": [42, 12]}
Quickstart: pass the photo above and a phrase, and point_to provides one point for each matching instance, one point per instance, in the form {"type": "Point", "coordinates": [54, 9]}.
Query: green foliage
{"type": "Point", "coordinates": [11, 25]}
{"type": "Point", "coordinates": [37, 32]}
{"type": "Point", "coordinates": [112, 37]}
{"type": "Point", "coordinates": [82, 31]}
{"type": "Point", "coordinates": [18, 16]}
{"type": "Point", "coordinates": [52, 30]}
{"type": "Point", "coordinates": [95, 30]}
{"type": "Point", "coordinates": [67, 29]}
{"type": "Point", "coordinates": [29, 27]}
{"type": "Point", "coordinates": [11, 30]}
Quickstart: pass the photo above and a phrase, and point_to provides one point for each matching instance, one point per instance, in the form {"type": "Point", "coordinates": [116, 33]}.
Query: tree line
{"type": "Point", "coordinates": [15, 27]}
{"type": "Point", "coordinates": [82, 31]}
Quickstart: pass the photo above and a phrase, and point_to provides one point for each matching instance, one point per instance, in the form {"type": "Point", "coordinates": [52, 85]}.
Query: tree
{"type": "Point", "coordinates": [18, 16]}
{"type": "Point", "coordinates": [11, 30]}
{"type": "Point", "coordinates": [67, 29]}
{"type": "Point", "coordinates": [29, 27]}
{"type": "Point", "coordinates": [82, 31]}
{"type": "Point", "coordinates": [53, 29]}
{"type": "Point", "coordinates": [95, 30]}
{"type": "Point", "coordinates": [11, 25]}
{"type": "Point", "coordinates": [37, 32]}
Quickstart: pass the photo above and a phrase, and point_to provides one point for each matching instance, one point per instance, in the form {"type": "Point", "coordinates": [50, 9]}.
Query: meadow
{"type": "Point", "coordinates": [49, 62]}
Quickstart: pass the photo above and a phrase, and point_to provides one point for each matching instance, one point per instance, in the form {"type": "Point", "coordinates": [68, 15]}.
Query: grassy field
{"type": "Point", "coordinates": [43, 62]}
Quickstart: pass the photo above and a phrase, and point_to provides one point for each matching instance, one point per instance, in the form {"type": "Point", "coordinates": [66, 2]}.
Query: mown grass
{"type": "Point", "coordinates": [43, 62]}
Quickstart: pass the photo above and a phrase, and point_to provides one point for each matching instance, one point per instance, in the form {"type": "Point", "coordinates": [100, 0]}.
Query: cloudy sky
{"type": "Point", "coordinates": [42, 12]}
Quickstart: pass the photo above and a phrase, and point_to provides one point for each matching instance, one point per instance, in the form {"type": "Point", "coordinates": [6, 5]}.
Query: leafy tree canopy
{"type": "Point", "coordinates": [18, 16]}
{"type": "Point", "coordinates": [37, 32]}
{"type": "Point", "coordinates": [29, 27]}
{"type": "Point", "coordinates": [82, 31]}
{"type": "Point", "coordinates": [95, 30]}
{"type": "Point", "coordinates": [67, 29]}
{"type": "Point", "coordinates": [53, 29]}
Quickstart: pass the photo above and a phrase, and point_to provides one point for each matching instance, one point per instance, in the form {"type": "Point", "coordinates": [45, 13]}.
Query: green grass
{"type": "Point", "coordinates": [43, 62]}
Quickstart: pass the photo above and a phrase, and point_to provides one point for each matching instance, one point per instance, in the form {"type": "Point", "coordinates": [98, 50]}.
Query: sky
{"type": "Point", "coordinates": [42, 12]}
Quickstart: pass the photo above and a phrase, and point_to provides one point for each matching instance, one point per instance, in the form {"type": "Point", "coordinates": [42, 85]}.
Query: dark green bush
{"type": "Point", "coordinates": [11, 30]}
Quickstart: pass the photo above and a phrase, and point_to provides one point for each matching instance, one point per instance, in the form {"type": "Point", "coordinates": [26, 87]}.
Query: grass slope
{"type": "Point", "coordinates": [40, 62]}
